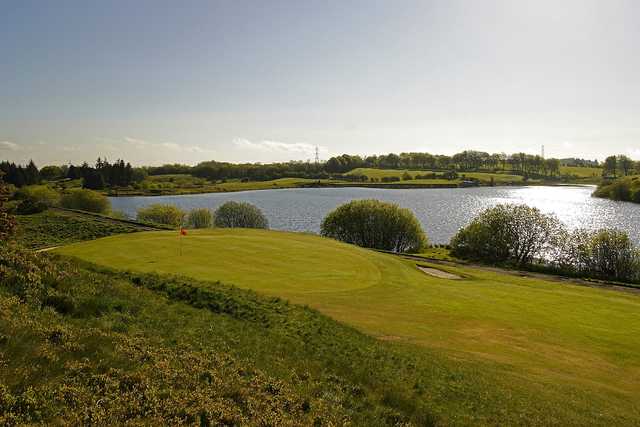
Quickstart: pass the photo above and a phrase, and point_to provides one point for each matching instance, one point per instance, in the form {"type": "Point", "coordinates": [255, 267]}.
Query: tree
{"type": "Point", "coordinates": [506, 232]}
{"type": "Point", "coordinates": [625, 164]}
{"type": "Point", "coordinates": [31, 173]}
{"type": "Point", "coordinates": [92, 179]}
{"type": "Point", "coordinates": [73, 172]}
{"type": "Point", "coordinates": [199, 218]}
{"type": "Point", "coordinates": [375, 224]}
{"type": "Point", "coordinates": [610, 166]}
{"type": "Point", "coordinates": [36, 198]}
{"type": "Point", "coordinates": [51, 173]}
{"type": "Point", "coordinates": [241, 215]}
{"type": "Point", "coordinates": [162, 214]}
{"type": "Point", "coordinates": [605, 253]}
{"type": "Point", "coordinates": [85, 200]}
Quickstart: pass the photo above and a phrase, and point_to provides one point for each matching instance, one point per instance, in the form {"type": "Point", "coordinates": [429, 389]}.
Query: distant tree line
{"type": "Point", "coordinates": [466, 161]}
{"type": "Point", "coordinates": [621, 165]}
{"type": "Point", "coordinates": [120, 174]}
{"type": "Point", "coordinates": [19, 175]}
{"type": "Point", "coordinates": [102, 175]}
{"type": "Point", "coordinates": [105, 174]}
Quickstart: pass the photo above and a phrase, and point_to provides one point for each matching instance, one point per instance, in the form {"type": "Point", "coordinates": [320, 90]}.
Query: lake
{"type": "Point", "coordinates": [441, 211]}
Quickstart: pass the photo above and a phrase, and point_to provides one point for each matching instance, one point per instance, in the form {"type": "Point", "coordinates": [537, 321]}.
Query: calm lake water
{"type": "Point", "coordinates": [441, 211]}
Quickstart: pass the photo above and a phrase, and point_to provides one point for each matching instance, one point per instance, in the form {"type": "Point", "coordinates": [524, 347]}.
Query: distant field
{"type": "Point", "coordinates": [499, 178]}
{"type": "Point", "coordinates": [187, 184]}
{"type": "Point", "coordinates": [581, 172]}
{"type": "Point", "coordinates": [566, 354]}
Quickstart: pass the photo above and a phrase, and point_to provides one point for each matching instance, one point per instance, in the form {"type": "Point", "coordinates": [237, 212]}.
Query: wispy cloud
{"type": "Point", "coordinates": [170, 146]}
{"type": "Point", "coordinates": [277, 146]}
{"type": "Point", "coordinates": [8, 145]}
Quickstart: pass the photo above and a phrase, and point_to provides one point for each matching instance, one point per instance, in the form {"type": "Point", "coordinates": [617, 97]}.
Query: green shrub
{"type": "Point", "coordinates": [39, 194]}
{"type": "Point", "coordinates": [162, 214]}
{"type": "Point", "coordinates": [50, 173]}
{"type": "Point", "coordinates": [85, 200]}
{"type": "Point", "coordinates": [623, 189]}
{"type": "Point", "coordinates": [240, 215]}
{"type": "Point", "coordinates": [605, 253]}
{"type": "Point", "coordinates": [26, 274]}
{"type": "Point", "coordinates": [515, 233]}
{"type": "Point", "coordinates": [7, 221]}
{"type": "Point", "coordinates": [407, 176]}
{"type": "Point", "coordinates": [199, 218]}
{"type": "Point", "coordinates": [29, 207]}
{"type": "Point", "coordinates": [375, 224]}
{"type": "Point", "coordinates": [620, 190]}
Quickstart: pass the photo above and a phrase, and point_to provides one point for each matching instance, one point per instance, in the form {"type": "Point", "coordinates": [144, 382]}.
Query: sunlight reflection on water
{"type": "Point", "coordinates": [441, 211]}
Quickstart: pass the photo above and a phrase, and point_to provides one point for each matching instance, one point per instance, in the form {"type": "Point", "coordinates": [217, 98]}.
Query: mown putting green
{"type": "Point", "coordinates": [574, 349]}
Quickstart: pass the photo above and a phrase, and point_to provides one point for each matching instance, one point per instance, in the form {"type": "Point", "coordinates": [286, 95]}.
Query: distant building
{"type": "Point", "coordinates": [579, 162]}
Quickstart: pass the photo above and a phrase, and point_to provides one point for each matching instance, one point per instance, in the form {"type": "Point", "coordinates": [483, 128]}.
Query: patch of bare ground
{"type": "Point", "coordinates": [438, 273]}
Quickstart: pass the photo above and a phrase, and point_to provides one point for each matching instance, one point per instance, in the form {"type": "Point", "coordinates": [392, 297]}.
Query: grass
{"type": "Point", "coordinates": [57, 227]}
{"type": "Point", "coordinates": [109, 348]}
{"type": "Point", "coordinates": [484, 177]}
{"type": "Point", "coordinates": [581, 172]}
{"type": "Point", "coordinates": [542, 352]}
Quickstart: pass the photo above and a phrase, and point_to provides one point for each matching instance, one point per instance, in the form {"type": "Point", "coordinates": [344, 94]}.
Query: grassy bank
{"type": "Point", "coordinates": [483, 178]}
{"type": "Point", "coordinates": [541, 351]}
{"type": "Point", "coordinates": [164, 185]}
{"type": "Point", "coordinates": [568, 175]}
{"type": "Point", "coordinates": [626, 189]}
{"type": "Point", "coordinates": [106, 348]}
{"type": "Point", "coordinates": [56, 227]}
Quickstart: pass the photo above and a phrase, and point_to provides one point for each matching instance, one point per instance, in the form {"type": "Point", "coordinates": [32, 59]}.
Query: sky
{"type": "Point", "coordinates": [158, 82]}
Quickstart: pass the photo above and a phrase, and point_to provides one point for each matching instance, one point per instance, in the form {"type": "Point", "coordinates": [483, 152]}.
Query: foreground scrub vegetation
{"type": "Point", "coordinates": [83, 345]}
{"type": "Point", "coordinates": [490, 348]}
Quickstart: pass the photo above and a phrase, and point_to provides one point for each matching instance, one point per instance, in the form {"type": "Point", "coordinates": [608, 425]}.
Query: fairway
{"type": "Point", "coordinates": [575, 348]}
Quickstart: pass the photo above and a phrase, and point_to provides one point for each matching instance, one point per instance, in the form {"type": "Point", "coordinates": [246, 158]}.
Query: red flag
{"type": "Point", "coordinates": [183, 232]}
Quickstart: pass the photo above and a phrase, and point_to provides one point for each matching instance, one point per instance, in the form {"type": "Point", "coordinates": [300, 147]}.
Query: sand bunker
{"type": "Point", "coordinates": [438, 273]}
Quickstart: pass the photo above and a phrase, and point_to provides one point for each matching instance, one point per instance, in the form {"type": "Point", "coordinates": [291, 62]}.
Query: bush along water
{"type": "Point", "coordinates": [239, 215]}
{"type": "Point", "coordinates": [375, 224]}
{"type": "Point", "coordinates": [525, 237]}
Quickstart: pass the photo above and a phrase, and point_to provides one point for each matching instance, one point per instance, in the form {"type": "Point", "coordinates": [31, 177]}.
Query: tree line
{"type": "Point", "coordinates": [466, 161]}
{"type": "Point", "coordinates": [120, 174]}
{"type": "Point", "coordinates": [103, 174]}
{"type": "Point", "coordinates": [621, 165]}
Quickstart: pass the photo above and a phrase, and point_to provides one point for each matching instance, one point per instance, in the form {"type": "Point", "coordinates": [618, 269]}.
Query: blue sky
{"type": "Point", "coordinates": [157, 82]}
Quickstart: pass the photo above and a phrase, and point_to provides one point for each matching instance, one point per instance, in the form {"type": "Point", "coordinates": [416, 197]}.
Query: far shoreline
{"type": "Point", "coordinates": [381, 186]}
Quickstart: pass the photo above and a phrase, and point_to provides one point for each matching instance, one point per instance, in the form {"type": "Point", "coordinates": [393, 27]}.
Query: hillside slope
{"type": "Point", "coordinates": [532, 340]}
